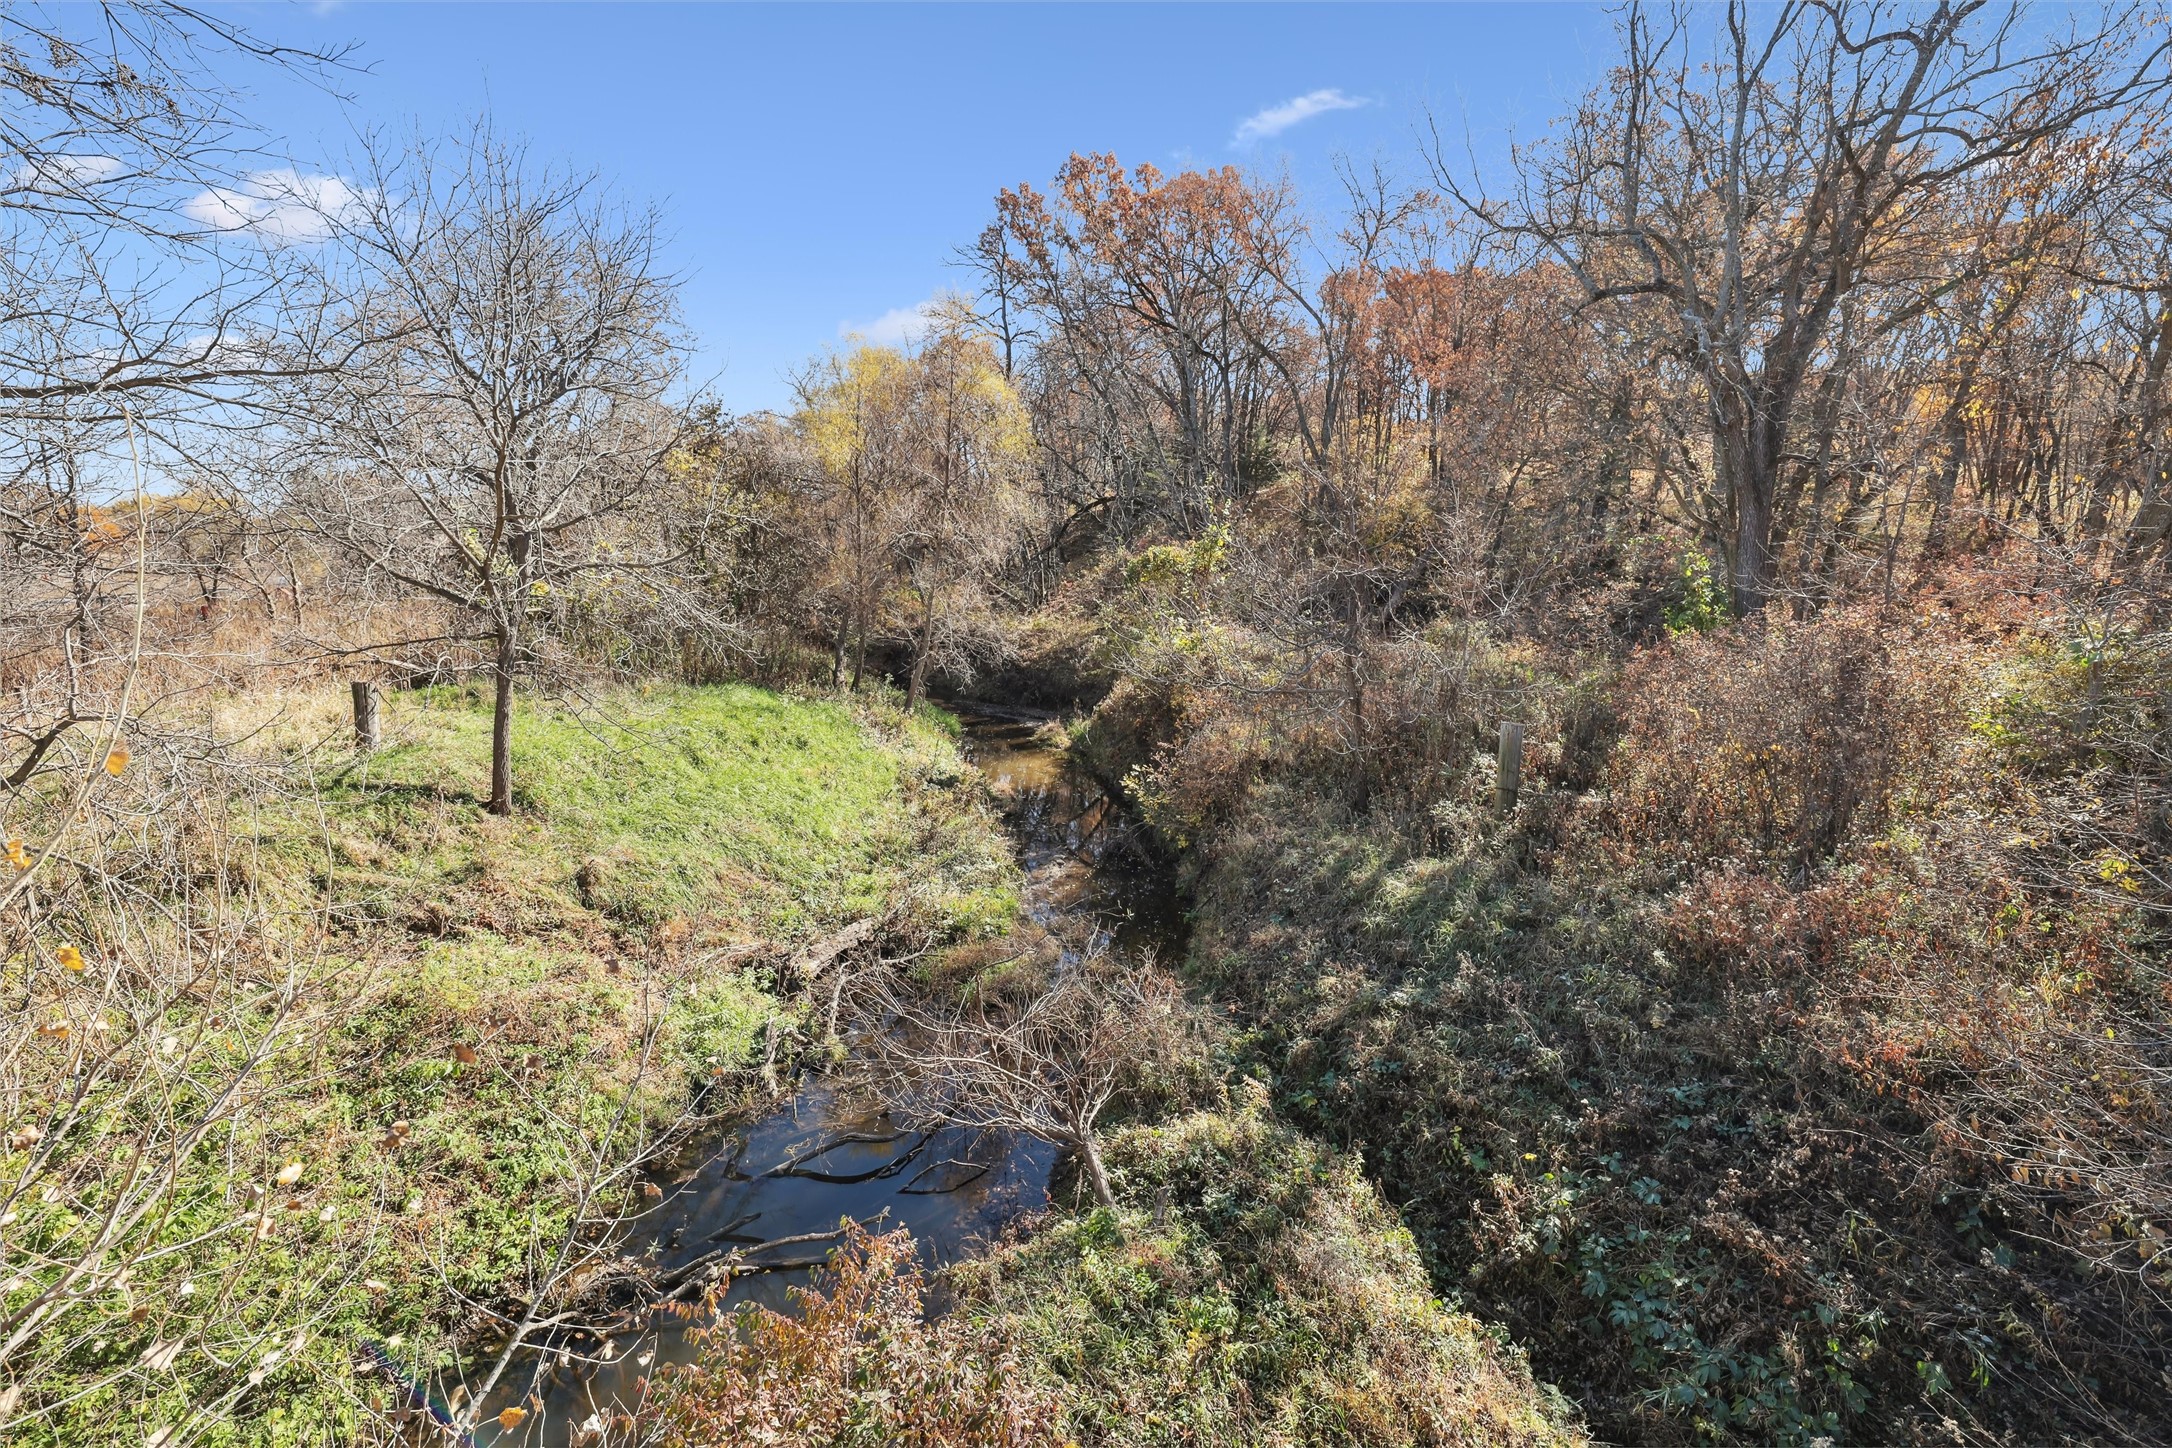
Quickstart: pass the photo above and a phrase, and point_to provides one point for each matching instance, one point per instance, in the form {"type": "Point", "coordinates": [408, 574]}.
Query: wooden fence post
{"type": "Point", "coordinates": [1508, 772]}
{"type": "Point", "coordinates": [365, 715]}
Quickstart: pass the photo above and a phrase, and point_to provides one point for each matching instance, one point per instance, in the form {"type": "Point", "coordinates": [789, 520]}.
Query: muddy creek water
{"type": "Point", "coordinates": [772, 1195]}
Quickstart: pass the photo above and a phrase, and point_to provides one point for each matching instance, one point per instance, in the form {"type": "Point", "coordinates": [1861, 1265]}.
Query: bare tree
{"type": "Point", "coordinates": [1047, 1062]}
{"type": "Point", "coordinates": [1744, 196]}
{"type": "Point", "coordinates": [127, 178]}
{"type": "Point", "coordinates": [506, 419]}
{"type": "Point", "coordinates": [129, 327]}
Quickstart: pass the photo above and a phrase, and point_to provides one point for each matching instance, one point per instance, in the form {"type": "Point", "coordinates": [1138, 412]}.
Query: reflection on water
{"type": "Point", "coordinates": [772, 1197]}
{"type": "Point", "coordinates": [1081, 880]}
{"type": "Point", "coordinates": [788, 1178]}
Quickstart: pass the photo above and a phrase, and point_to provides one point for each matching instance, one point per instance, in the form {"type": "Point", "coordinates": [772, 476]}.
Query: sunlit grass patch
{"type": "Point", "coordinates": [748, 811]}
{"type": "Point", "coordinates": [487, 1014]}
{"type": "Point", "coordinates": [1255, 1290]}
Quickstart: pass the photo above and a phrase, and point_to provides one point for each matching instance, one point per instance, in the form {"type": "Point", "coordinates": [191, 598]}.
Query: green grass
{"type": "Point", "coordinates": [729, 807]}
{"type": "Point", "coordinates": [489, 983]}
{"type": "Point", "coordinates": [1270, 1300]}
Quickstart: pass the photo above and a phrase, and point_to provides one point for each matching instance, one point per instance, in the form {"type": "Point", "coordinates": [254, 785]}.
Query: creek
{"type": "Point", "coordinates": [771, 1195]}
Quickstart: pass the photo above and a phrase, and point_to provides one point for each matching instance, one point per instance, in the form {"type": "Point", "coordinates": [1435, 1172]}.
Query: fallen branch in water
{"type": "Point", "coordinates": [677, 1284]}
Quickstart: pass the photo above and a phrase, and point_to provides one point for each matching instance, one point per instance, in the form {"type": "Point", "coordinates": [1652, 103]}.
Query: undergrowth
{"type": "Point", "coordinates": [1253, 1290]}
{"type": "Point", "coordinates": [1822, 1113]}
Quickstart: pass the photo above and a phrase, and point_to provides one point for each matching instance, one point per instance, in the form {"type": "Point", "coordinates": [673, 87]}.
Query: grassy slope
{"type": "Point", "coordinates": [1268, 1299]}
{"type": "Point", "coordinates": [1695, 1223]}
{"type": "Point", "coordinates": [763, 816]}
{"type": "Point", "coordinates": [671, 846]}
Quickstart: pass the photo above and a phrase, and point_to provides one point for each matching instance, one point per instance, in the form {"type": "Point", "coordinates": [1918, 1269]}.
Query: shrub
{"type": "Point", "coordinates": [1768, 1154]}
{"type": "Point", "coordinates": [858, 1364]}
{"type": "Point", "coordinates": [1773, 742]}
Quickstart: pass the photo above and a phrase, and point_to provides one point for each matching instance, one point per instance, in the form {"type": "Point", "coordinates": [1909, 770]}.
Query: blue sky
{"type": "Point", "coordinates": [819, 163]}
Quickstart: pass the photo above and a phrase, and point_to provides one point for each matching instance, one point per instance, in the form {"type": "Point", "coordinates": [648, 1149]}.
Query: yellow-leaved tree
{"type": "Point", "coordinates": [924, 457]}
{"type": "Point", "coordinates": [852, 407]}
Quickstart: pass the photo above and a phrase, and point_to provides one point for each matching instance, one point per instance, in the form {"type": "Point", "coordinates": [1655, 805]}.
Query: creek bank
{"type": "Point", "coordinates": [488, 999]}
{"type": "Point", "coordinates": [1250, 1289]}
{"type": "Point", "coordinates": [755, 1217]}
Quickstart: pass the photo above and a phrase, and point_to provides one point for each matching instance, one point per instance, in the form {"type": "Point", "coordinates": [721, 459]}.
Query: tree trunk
{"type": "Point", "coordinates": [366, 734]}
{"type": "Point", "coordinates": [501, 730]}
{"type": "Point", "coordinates": [1753, 550]}
{"type": "Point", "coordinates": [1613, 473]}
{"type": "Point", "coordinates": [1089, 1153]}
{"type": "Point", "coordinates": [1749, 471]}
{"type": "Point", "coordinates": [917, 690]}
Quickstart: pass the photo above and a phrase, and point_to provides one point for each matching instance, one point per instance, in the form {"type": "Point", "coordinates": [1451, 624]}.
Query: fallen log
{"type": "Point", "coordinates": [816, 958]}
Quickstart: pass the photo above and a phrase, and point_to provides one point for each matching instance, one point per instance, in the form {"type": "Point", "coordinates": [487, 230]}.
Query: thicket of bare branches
{"type": "Point", "coordinates": [1778, 201]}
{"type": "Point", "coordinates": [1044, 1058]}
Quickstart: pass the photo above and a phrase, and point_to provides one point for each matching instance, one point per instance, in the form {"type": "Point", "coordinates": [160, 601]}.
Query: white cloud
{"type": "Point", "coordinates": [64, 173]}
{"type": "Point", "coordinates": [898, 327]}
{"type": "Point", "coordinates": [283, 207]}
{"type": "Point", "coordinates": [1276, 119]}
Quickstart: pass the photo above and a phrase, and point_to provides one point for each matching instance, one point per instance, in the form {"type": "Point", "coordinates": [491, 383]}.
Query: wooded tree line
{"type": "Point", "coordinates": [1812, 300]}
{"type": "Point", "coordinates": [1817, 298]}
{"type": "Point", "coordinates": [1797, 308]}
{"type": "Point", "coordinates": [1829, 292]}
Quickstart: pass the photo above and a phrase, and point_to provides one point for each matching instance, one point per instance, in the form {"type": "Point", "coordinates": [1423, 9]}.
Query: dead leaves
{"type": "Point", "coordinates": [273, 1357]}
